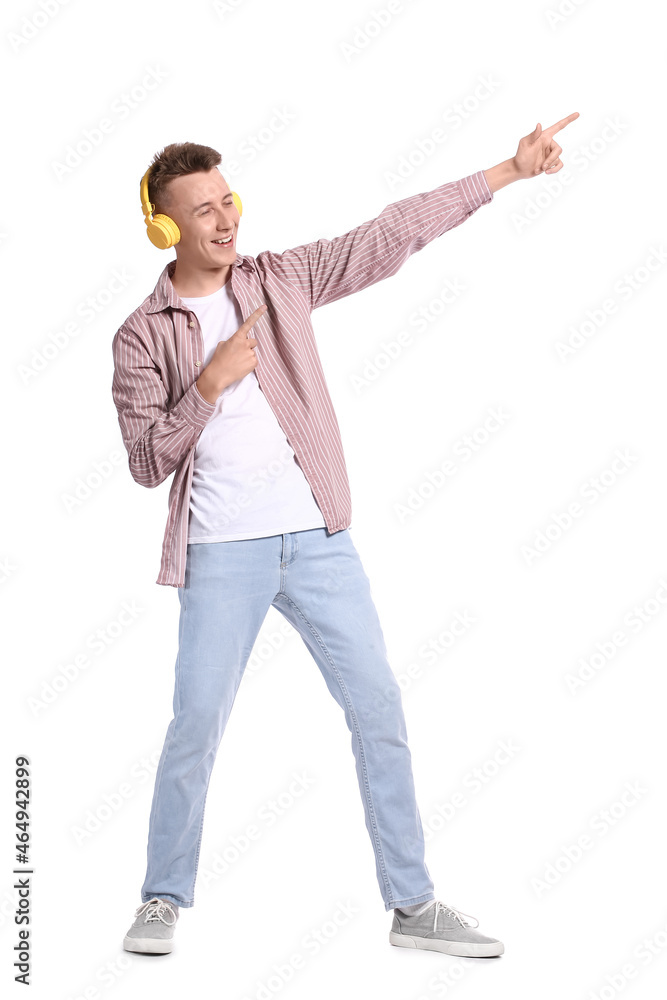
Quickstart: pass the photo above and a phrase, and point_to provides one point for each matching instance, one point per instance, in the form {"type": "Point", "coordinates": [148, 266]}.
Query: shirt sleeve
{"type": "Point", "coordinates": [157, 439]}
{"type": "Point", "coordinates": [326, 270]}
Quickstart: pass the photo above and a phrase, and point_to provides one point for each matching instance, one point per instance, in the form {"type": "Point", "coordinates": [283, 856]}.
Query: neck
{"type": "Point", "coordinates": [193, 282]}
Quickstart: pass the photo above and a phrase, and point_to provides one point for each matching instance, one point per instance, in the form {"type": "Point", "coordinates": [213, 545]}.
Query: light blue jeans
{"type": "Point", "coordinates": [316, 580]}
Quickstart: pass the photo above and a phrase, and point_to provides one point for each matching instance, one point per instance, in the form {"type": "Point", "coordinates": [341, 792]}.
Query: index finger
{"type": "Point", "coordinates": [562, 123]}
{"type": "Point", "coordinates": [254, 316]}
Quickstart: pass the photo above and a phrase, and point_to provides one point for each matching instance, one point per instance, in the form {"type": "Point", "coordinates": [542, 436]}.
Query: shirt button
{"type": "Point", "coordinates": [197, 364]}
{"type": "Point", "coordinates": [191, 323]}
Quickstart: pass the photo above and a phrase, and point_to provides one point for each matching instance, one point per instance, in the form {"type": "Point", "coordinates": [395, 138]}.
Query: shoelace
{"type": "Point", "coordinates": [156, 909]}
{"type": "Point", "coordinates": [457, 914]}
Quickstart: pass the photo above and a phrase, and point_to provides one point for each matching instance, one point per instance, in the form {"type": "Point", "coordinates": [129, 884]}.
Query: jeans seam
{"type": "Point", "coordinates": [199, 840]}
{"type": "Point", "coordinates": [167, 747]}
{"type": "Point", "coordinates": [376, 833]}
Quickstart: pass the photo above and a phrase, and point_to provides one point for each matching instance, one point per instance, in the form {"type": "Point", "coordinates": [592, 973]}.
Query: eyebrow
{"type": "Point", "coordinates": [205, 204]}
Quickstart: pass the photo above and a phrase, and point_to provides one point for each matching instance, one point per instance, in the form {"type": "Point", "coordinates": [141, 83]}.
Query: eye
{"type": "Point", "coordinates": [227, 204]}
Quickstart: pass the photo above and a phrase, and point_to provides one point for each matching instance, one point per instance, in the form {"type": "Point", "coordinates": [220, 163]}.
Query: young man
{"type": "Point", "coordinates": [218, 379]}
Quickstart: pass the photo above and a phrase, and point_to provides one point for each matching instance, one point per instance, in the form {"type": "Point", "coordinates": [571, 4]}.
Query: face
{"type": "Point", "coordinates": [201, 205]}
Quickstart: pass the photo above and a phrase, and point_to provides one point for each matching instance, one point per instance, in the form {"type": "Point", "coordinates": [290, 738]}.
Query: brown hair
{"type": "Point", "coordinates": [176, 160]}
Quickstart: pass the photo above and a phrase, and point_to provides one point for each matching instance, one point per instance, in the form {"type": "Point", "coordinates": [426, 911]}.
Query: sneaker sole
{"type": "Point", "coordinates": [148, 946]}
{"type": "Point", "coordinates": [460, 948]}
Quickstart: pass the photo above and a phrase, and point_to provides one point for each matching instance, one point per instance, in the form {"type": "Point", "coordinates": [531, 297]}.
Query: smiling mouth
{"type": "Point", "coordinates": [224, 242]}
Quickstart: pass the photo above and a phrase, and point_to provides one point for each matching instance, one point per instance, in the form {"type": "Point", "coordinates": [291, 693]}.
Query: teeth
{"type": "Point", "coordinates": [228, 240]}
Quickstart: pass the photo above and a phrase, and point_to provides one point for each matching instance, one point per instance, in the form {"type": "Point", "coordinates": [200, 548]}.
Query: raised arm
{"type": "Point", "coordinates": [327, 270]}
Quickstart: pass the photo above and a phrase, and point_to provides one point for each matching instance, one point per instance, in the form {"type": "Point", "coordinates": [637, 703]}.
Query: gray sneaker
{"type": "Point", "coordinates": [442, 928]}
{"type": "Point", "coordinates": [153, 929]}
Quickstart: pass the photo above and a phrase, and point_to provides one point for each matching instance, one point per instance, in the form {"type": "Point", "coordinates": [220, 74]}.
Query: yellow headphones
{"type": "Point", "coordinates": [163, 231]}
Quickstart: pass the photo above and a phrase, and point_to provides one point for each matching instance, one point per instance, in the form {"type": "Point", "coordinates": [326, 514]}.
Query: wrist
{"type": "Point", "coordinates": [502, 174]}
{"type": "Point", "coordinates": [208, 389]}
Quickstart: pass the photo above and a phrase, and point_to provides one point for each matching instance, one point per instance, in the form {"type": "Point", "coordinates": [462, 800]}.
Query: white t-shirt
{"type": "Point", "coordinates": [246, 482]}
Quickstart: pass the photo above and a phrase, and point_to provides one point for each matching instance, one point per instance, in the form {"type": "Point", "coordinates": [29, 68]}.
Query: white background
{"type": "Point", "coordinates": [535, 263]}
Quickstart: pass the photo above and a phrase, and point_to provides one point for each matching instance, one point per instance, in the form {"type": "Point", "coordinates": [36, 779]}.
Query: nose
{"type": "Point", "coordinates": [225, 221]}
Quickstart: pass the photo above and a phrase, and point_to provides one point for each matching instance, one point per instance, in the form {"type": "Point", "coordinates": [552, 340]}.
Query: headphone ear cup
{"type": "Point", "coordinates": [237, 202]}
{"type": "Point", "coordinates": [163, 232]}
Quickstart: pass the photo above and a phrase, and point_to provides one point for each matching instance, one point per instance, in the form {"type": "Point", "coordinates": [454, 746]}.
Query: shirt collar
{"type": "Point", "coordinates": [164, 295]}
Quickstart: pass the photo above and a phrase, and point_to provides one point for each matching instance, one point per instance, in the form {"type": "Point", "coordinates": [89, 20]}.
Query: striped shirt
{"type": "Point", "coordinates": [158, 354]}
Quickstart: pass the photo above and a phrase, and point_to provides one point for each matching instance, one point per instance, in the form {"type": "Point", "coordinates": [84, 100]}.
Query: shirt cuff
{"type": "Point", "coordinates": [196, 410]}
{"type": "Point", "coordinates": [475, 190]}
